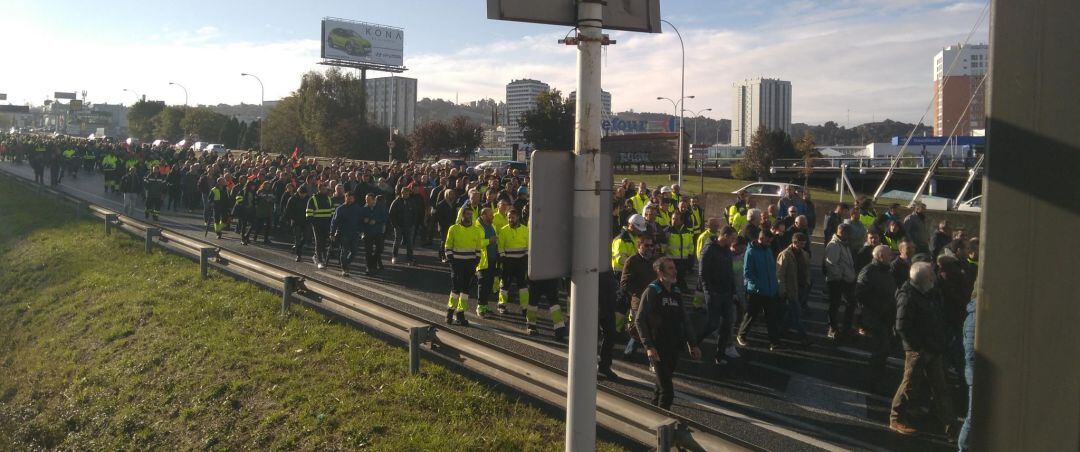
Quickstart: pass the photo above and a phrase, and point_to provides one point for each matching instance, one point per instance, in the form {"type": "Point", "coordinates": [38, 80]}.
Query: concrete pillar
{"type": "Point", "coordinates": [1027, 344]}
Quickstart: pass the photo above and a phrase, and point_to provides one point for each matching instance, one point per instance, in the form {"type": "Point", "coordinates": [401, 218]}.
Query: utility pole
{"type": "Point", "coordinates": [262, 106]}
{"type": "Point", "coordinates": [584, 275]}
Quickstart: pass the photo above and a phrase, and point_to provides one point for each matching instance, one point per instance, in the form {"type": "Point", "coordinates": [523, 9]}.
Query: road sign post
{"type": "Point", "coordinates": [590, 17]}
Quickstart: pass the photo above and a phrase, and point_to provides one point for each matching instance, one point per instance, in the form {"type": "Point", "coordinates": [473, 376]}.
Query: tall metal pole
{"type": "Point", "coordinates": [682, 96]}
{"type": "Point", "coordinates": [584, 276]}
{"type": "Point", "coordinates": [696, 116]}
{"type": "Point", "coordinates": [137, 97]}
{"type": "Point", "coordinates": [185, 91]}
{"type": "Point", "coordinates": [262, 106]}
{"type": "Point", "coordinates": [393, 98]}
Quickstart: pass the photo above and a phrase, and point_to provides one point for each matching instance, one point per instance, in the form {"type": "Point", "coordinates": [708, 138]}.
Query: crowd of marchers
{"type": "Point", "coordinates": [892, 283]}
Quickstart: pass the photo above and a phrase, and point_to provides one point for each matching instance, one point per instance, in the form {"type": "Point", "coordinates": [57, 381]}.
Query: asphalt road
{"type": "Point", "coordinates": [819, 398]}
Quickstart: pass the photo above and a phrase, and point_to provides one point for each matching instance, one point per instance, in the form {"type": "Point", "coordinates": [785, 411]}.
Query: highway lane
{"type": "Point", "coordinates": [815, 399]}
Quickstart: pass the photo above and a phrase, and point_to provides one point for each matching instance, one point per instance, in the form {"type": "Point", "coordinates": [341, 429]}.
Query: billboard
{"type": "Point", "coordinates": [63, 95]}
{"type": "Point", "coordinates": [3, 96]}
{"type": "Point", "coordinates": [363, 42]}
{"type": "Point", "coordinates": [14, 109]}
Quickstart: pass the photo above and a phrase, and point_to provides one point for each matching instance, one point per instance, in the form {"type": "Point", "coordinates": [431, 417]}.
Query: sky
{"type": "Point", "coordinates": [863, 59]}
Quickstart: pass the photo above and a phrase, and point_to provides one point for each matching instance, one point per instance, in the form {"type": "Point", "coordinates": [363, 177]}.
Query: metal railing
{"type": "Point", "coordinates": [865, 162]}
{"type": "Point", "coordinates": [620, 413]}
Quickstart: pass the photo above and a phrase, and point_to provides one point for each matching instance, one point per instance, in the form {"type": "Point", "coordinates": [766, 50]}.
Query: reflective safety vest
{"type": "Point", "coordinates": [680, 244]}
{"type": "Point", "coordinates": [663, 217]}
{"type": "Point", "coordinates": [695, 225]}
{"type": "Point", "coordinates": [867, 220]}
{"type": "Point", "coordinates": [893, 243]}
{"type": "Point", "coordinates": [216, 194]}
{"type": "Point", "coordinates": [739, 220]}
{"type": "Point", "coordinates": [639, 200]}
{"type": "Point", "coordinates": [701, 239]}
{"type": "Point", "coordinates": [464, 242]}
{"type": "Point", "coordinates": [109, 162]}
{"type": "Point", "coordinates": [498, 220]}
{"type": "Point", "coordinates": [514, 242]}
{"type": "Point", "coordinates": [319, 206]}
{"type": "Point", "coordinates": [69, 154]}
{"type": "Point", "coordinates": [624, 246]}
{"type": "Point", "coordinates": [131, 163]}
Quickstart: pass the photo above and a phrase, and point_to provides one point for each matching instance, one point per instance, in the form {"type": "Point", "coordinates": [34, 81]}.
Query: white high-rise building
{"type": "Point", "coordinates": [520, 97]}
{"type": "Point", "coordinates": [954, 90]}
{"type": "Point", "coordinates": [760, 101]}
{"type": "Point", "coordinates": [605, 102]}
{"type": "Point", "coordinates": [392, 95]}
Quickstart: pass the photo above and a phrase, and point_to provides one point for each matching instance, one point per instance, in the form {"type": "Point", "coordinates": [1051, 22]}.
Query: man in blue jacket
{"type": "Point", "coordinates": [759, 277]}
{"type": "Point", "coordinates": [375, 217]}
{"type": "Point", "coordinates": [346, 226]}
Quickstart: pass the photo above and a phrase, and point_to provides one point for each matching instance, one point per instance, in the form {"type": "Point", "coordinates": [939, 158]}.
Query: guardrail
{"type": "Point", "coordinates": [865, 162]}
{"type": "Point", "coordinates": [624, 415]}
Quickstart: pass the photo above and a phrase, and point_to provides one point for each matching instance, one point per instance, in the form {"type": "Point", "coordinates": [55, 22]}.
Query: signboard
{"type": "Point", "coordinates": [3, 96]}
{"type": "Point", "coordinates": [940, 141]}
{"type": "Point", "coordinates": [614, 124]}
{"type": "Point", "coordinates": [14, 109]}
{"type": "Point", "coordinates": [75, 105]}
{"type": "Point", "coordinates": [628, 15]}
{"type": "Point", "coordinates": [363, 42]}
{"type": "Point", "coordinates": [63, 95]}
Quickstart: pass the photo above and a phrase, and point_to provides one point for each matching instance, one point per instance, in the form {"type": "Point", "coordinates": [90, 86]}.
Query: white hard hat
{"type": "Point", "coordinates": [637, 222]}
{"type": "Point", "coordinates": [665, 189]}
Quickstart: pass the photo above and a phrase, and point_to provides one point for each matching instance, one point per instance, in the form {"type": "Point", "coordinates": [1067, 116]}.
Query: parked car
{"type": "Point", "coordinates": [971, 205]}
{"type": "Point", "coordinates": [771, 189]}
{"type": "Point", "coordinates": [215, 148]}
{"type": "Point", "coordinates": [501, 166]}
{"type": "Point", "coordinates": [200, 145]}
{"type": "Point", "coordinates": [347, 40]}
{"type": "Point", "coordinates": [448, 163]}
{"type": "Point", "coordinates": [160, 143]}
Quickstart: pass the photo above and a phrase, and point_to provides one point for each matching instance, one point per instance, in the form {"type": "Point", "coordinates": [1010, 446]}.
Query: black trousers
{"type": "Point", "coordinates": [320, 229]}
{"type": "Point", "coordinates": [153, 205]}
{"type": "Point", "coordinates": [664, 394]}
{"type": "Point", "coordinates": [462, 272]}
{"type": "Point", "coordinates": [349, 244]}
{"type": "Point", "coordinates": [879, 325]}
{"type": "Point", "coordinates": [841, 291]}
{"type": "Point", "coordinates": [298, 234]}
{"type": "Point", "coordinates": [373, 244]}
{"type": "Point", "coordinates": [487, 283]}
{"type": "Point", "coordinates": [758, 305]}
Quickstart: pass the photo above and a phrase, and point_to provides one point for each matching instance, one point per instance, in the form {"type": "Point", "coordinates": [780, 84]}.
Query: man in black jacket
{"type": "Point", "coordinates": [717, 277]}
{"type": "Point", "coordinates": [405, 214]}
{"type": "Point", "coordinates": [296, 216]}
{"type": "Point", "coordinates": [921, 329]}
{"type": "Point", "coordinates": [665, 329]}
{"type": "Point", "coordinates": [876, 291]}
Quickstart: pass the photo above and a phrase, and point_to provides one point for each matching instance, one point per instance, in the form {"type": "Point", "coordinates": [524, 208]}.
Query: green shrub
{"type": "Point", "coordinates": [739, 170]}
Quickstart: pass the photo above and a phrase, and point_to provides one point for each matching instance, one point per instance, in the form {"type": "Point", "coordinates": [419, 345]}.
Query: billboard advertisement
{"type": "Point", "coordinates": [363, 42]}
{"type": "Point", "coordinates": [63, 95]}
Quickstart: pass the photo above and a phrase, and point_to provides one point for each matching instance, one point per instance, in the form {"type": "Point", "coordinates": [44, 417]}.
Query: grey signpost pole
{"type": "Point", "coordinates": [584, 276]}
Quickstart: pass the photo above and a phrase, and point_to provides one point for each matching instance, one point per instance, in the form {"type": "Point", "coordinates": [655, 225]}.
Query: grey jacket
{"type": "Point", "coordinates": [839, 266]}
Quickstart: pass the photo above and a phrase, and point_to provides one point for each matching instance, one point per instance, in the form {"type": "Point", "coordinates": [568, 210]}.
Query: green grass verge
{"type": "Point", "coordinates": [103, 348]}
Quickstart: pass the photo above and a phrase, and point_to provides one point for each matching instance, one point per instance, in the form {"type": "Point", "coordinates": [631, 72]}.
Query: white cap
{"type": "Point", "coordinates": [665, 189]}
{"type": "Point", "coordinates": [637, 222]}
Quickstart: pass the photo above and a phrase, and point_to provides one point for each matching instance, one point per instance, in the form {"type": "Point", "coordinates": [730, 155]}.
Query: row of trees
{"type": "Point", "coordinates": [327, 116]}
{"type": "Point", "coordinates": [435, 138]}
{"type": "Point", "coordinates": [153, 120]}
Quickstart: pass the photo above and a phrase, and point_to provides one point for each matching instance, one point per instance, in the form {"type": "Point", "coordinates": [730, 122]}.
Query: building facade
{"type": "Point", "coordinates": [955, 84]}
{"type": "Point", "coordinates": [520, 97]}
{"type": "Point", "coordinates": [605, 102]}
{"type": "Point", "coordinates": [760, 101]}
{"type": "Point", "coordinates": [391, 102]}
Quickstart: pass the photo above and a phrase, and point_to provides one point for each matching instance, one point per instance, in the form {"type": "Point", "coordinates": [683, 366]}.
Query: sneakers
{"type": "Point", "coordinates": [606, 372]}
{"type": "Point", "coordinates": [501, 309]}
{"type": "Point", "coordinates": [832, 333]}
{"type": "Point", "coordinates": [531, 330]}
{"type": "Point", "coordinates": [902, 429]}
{"type": "Point", "coordinates": [320, 265]}
{"type": "Point", "coordinates": [450, 316]}
{"type": "Point", "coordinates": [741, 340]}
{"type": "Point", "coordinates": [345, 273]}
{"type": "Point", "coordinates": [298, 258]}
{"type": "Point", "coordinates": [393, 261]}
{"type": "Point", "coordinates": [731, 352]}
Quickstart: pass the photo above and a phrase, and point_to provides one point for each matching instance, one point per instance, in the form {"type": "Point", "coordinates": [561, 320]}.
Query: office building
{"type": "Point", "coordinates": [392, 96]}
{"type": "Point", "coordinates": [605, 102]}
{"type": "Point", "coordinates": [953, 90]}
{"type": "Point", "coordinates": [520, 97]}
{"type": "Point", "coordinates": [760, 101]}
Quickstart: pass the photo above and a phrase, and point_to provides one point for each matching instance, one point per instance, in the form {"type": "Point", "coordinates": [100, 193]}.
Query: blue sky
{"type": "Point", "coordinates": [871, 56]}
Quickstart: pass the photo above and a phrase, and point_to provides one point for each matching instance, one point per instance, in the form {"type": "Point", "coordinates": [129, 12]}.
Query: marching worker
{"type": "Point", "coordinates": [464, 247]}
{"type": "Point", "coordinates": [319, 211]}
{"type": "Point", "coordinates": [624, 246]}
{"type": "Point", "coordinates": [875, 289]}
{"type": "Point", "coordinates": [514, 257]}
{"type": "Point", "coordinates": [489, 270]}
{"type": "Point", "coordinates": [155, 189]}
{"type": "Point", "coordinates": [717, 276]}
{"type": "Point", "coordinates": [219, 202]}
{"type": "Point", "coordinates": [129, 186]}
{"type": "Point", "coordinates": [296, 215]}
{"type": "Point", "coordinates": [375, 218]}
{"type": "Point", "coordinates": [680, 248]}
{"type": "Point", "coordinates": [665, 329]}
{"type": "Point", "coordinates": [346, 225]}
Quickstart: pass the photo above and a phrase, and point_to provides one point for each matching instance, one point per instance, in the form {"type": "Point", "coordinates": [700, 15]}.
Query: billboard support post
{"type": "Point", "coordinates": [584, 275]}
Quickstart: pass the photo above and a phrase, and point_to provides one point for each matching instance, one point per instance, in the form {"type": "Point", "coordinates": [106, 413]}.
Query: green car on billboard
{"type": "Point", "coordinates": [347, 40]}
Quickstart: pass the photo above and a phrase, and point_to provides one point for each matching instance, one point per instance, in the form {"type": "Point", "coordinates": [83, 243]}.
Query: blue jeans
{"type": "Point", "coordinates": [962, 441]}
{"type": "Point", "coordinates": [794, 312]}
{"type": "Point", "coordinates": [404, 237]}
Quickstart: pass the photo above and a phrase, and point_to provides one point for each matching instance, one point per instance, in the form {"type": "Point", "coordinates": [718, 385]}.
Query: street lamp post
{"type": "Point", "coordinates": [679, 108]}
{"type": "Point", "coordinates": [696, 116]}
{"type": "Point", "coordinates": [137, 96]}
{"type": "Point", "coordinates": [682, 95]}
{"type": "Point", "coordinates": [181, 87]}
{"type": "Point", "coordinates": [262, 105]}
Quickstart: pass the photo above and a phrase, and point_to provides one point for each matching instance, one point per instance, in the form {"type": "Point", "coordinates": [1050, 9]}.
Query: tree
{"type": "Point", "coordinates": [140, 119]}
{"type": "Point", "coordinates": [551, 124]}
{"type": "Point", "coordinates": [204, 123]}
{"type": "Point", "coordinates": [328, 103]}
{"type": "Point", "coordinates": [465, 134]}
{"type": "Point", "coordinates": [243, 143]}
{"type": "Point", "coordinates": [805, 147]}
{"type": "Point", "coordinates": [282, 131]}
{"type": "Point", "coordinates": [230, 133]}
{"type": "Point", "coordinates": [766, 146]}
{"type": "Point", "coordinates": [167, 123]}
{"type": "Point", "coordinates": [430, 139]}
